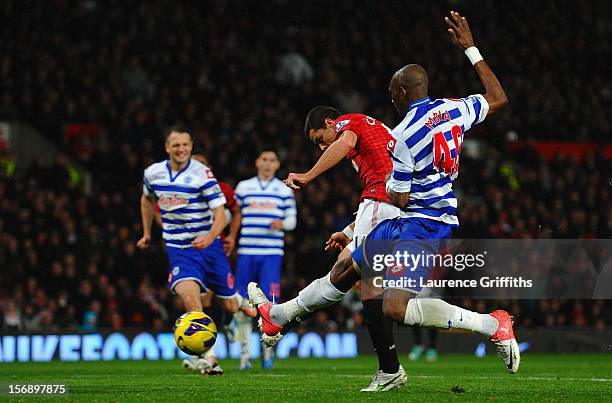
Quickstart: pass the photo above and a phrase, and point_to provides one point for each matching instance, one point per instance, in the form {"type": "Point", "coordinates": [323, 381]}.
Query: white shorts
{"type": "Point", "coordinates": [369, 215]}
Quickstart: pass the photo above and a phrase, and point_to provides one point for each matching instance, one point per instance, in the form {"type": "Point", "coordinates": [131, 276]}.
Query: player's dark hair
{"type": "Point", "coordinates": [179, 128]}
{"type": "Point", "coordinates": [315, 119]}
{"type": "Point", "coordinates": [266, 150]}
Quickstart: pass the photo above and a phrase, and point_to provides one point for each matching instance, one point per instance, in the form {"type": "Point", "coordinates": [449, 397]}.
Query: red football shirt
{"type": "Point", "coordinates": [369, 157]}
{"type": "Point", "coordinates": [228, 192]}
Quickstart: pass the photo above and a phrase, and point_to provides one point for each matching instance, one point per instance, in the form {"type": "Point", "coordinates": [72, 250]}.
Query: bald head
{"type": "Point", "coordinates": [408, 84]}
{"type": "Point", "coordinates": [410, 76]}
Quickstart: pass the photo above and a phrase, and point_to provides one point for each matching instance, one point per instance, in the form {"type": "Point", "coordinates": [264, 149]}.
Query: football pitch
{"type": "Point", "coordinates": [453, 377]}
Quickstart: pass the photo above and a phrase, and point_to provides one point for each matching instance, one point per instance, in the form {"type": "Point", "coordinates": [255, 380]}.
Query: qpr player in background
{"type": "Point", "coordinates": [363, 140]}
{"type": "Point", "coordinates": [268, 211]}
{"type": "Point", "coordinates": [193, 215]}
{"type": "Point", "coordinates": [425, 157]}
{"type": "Point", "coordinates": [232, 212]}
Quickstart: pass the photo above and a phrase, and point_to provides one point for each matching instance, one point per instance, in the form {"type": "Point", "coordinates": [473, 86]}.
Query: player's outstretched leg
{"type": "Point", "coordinates": [321, 293]}
{"type": "Point", "coordinates": [431, 312]}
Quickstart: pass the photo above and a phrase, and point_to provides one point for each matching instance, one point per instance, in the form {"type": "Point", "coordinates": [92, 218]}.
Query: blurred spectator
{"type": "Point", "coordinates": [294, 69]}
{"type": "Point", "coordinates": [42, 322]}
{"type": "Point", "coordinates": [11, 318]}
{"type": "Point", "coordinates": [90, 317]}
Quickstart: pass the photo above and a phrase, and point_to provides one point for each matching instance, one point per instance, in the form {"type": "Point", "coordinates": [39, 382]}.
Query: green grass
{"type": "Point", "coordinates": [576, 378]}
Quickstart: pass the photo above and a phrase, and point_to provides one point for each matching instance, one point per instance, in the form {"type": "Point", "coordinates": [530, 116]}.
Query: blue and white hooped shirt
{"type": "Point", "coordinates": [261, 203]}
{"type": "Point", "coordinates": [185, 198]}
{"type": "Point", "coordinates": [425, 154]}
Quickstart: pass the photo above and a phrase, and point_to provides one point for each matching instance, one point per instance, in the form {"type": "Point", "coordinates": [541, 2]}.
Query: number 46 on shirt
{"type": "Point", "coordinates": [442, 154]}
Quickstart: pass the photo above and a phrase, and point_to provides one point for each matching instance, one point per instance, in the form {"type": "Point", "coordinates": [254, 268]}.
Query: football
{"type": "Point", "coordinates": [195, 333]}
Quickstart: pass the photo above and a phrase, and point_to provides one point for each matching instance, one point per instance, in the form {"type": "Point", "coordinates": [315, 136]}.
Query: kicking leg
{"type": "Point", "coordinates": [319, 294]}
{"type": "Point", "coordinates": [402, 306]}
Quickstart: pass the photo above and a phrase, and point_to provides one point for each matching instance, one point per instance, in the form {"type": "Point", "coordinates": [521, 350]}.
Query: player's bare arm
{"type": "Point", "coordinates": [146, 212]}
{"type": "Point", "coordinates": [230, 240]}
{"type": "Point", "coordinates": [276, 224]}
{"type": "Point", "coordinates": [398, 199]}
{"type": "Point", "coordinates": [461, 36]}
{"type": "Point", "coordinates": [286, 224]}
{"type": "Point", "coordinates": [332, 155]}
{"type": "Point", "coordinates": [219, 222]}
{"type": "Point", "coordinates": [339, 240]}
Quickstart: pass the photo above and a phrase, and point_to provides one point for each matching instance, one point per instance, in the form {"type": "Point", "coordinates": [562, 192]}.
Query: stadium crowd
{"type": "Point", "coordinates": [131, 68]}
{"type": "Point", "coordinates": [72, 261]}
{"type": "Point", "coordinates": [136, 66]}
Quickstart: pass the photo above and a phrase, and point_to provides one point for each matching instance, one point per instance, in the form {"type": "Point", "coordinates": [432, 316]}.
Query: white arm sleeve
{"type": "Point", "coordinates": [289, 223]}
{"type": "Point", "coordinates": [474, 110]}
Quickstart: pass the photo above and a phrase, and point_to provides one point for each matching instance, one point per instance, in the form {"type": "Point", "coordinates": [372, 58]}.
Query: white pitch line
{"type": "Point", "coordinates": [528, 378]}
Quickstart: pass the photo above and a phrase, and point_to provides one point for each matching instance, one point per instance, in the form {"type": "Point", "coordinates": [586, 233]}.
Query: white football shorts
{"type": "Point", "coordinates": [369, 214]}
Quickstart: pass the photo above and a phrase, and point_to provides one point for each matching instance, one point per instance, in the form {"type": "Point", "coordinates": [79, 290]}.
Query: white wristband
{"type": "Point", "coordinates": [348, 232]}
{"type": "Point", "coordinates": [473, 54]}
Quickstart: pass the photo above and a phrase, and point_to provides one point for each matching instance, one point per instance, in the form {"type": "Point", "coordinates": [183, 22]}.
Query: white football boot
{"type": "Point", "coordinates": [213, 367]}
{"type": "Point", "coordinates": [383, 382]}
{"type": "Point", "coordinates": [269, 341]}
{"type": "Point", "coordinates": [196, 364]}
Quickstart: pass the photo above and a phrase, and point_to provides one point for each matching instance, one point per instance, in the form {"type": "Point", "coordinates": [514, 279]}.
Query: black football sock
{"type": "Point", "coordinates": [381, 332]}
